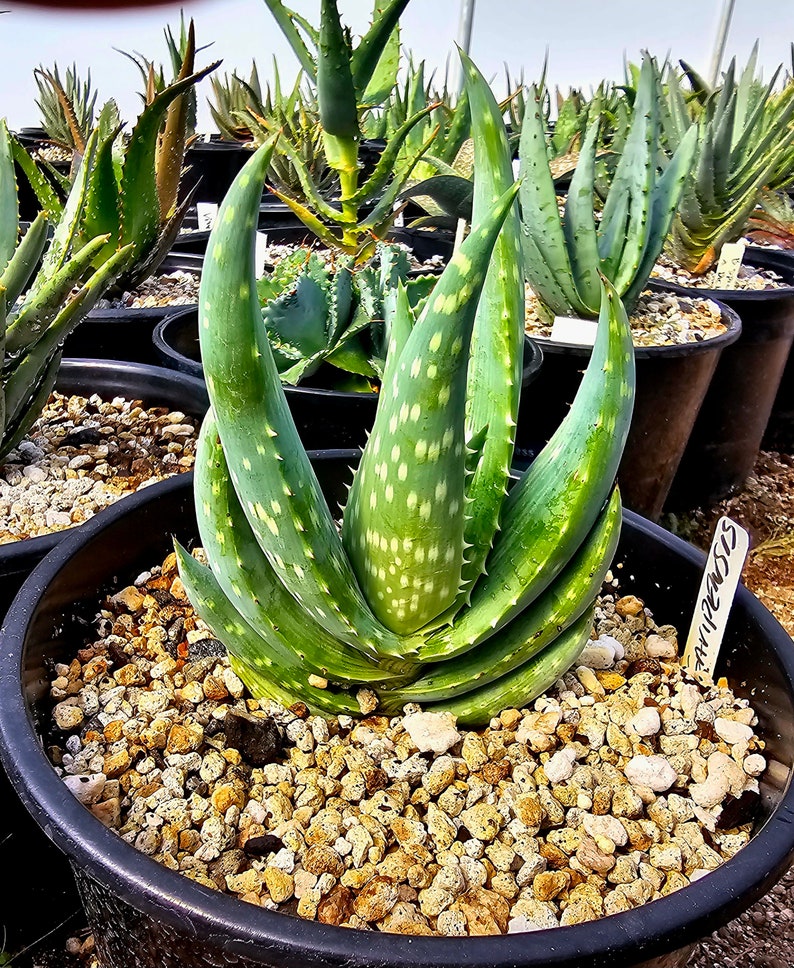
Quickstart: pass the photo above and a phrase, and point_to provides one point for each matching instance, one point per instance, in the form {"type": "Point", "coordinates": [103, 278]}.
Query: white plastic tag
{"type": "Point", "coordinates": [724, 565]}
{"type": "Point", "coordinates": [260, 253]}
{"type": "Point", "coordinates": [516, 167]}
{"type": "Point", "coordinates": [207, 213]}
{"type": "Point", "coordinates": [207, 137]}
{"type": "Point", "coordinates": [399, 218]}
{"type": "Point", "coordinates": [569, 329]}
{"type": "Point", "coordinates": [728, 266]}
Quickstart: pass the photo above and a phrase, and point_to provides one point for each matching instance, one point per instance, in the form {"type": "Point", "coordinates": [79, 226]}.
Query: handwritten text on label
{"type": "Point", "coordinates": [718, 586]}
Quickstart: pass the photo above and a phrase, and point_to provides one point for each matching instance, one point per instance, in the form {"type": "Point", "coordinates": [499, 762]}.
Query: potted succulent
{"type": "Point", "coordinates": [747, 125]}
{"type": "Point", "coordinates": [145, 210]}
{"type": "Point", "coordinates": [145, 914]}
{"type": "Point", "coordinates": [56, 275]}
{"type": "Point", "coordinates": [560, 255]}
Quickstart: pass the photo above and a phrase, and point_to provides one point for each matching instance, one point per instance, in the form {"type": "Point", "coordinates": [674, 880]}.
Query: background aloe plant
{"type": "Point", "coordinates": [442, 588]}
{"type": "Point", "coordinates": [349, 81]}
{"type": "Point", "coordinates": [563, 253]}
{"type": "Point", "coordinates": [67, 107]}
{"type": "Point", "coordinates": [42, 300]}
{"type": "Point", "coordinates": [746, 144]}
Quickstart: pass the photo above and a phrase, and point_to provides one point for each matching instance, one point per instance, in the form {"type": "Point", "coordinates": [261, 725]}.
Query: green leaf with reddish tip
{"type": "Point", "coordinates": [404, 518]}
{"type": "Point", "coordinates": [262, 447]}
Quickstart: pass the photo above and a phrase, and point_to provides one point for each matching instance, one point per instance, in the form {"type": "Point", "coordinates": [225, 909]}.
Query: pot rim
{"type": "Point", "coordinates": [191, 262]}
{"type": "Point", "coordinates": [754, 256]}
{"type": "Point", "coordinates": [164, 894]}
{"type": "Point", "coordinates": [730, 317]}
{"type": "Point", "coordinates": [532, 348]}
{"type": "Point", "coordinates": [19, 555]}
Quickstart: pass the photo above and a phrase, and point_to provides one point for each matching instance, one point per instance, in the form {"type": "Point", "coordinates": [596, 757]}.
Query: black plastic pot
{"type": "Point", "coordinates": [727, 434]}
{"type": "Point", "coordinates": [126, 334]}
{"type": "Point", "coordinates": [672, 382]}
{"type": "Point", "coordinates": [779, 433]}
{"type": "Point", "coordinates": [212, 166]}
{"type": "Point", "coordinates": [144, 915]}
{"type": "Point", "coordinates": [154, 385]}
{"type": "Point", "coordinates": [324, 418]}
{"type": "Point", "coordinates": [44, 903]}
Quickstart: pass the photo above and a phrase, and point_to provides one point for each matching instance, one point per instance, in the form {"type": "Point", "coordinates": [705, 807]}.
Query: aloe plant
{"type": "Point", "coordinates": [128, 184]}
{"type": "Point", "coordinates": [563, 254]}
{"type": "Point", "coordinates": [349, 82]}
{"type": "Point", "coordinates": [336, 315]}
{"type": "Point", "coordinates": [67, 107]}
{"type": "Point", "coordinates": [442, 588]}
{"type": "Point", "coordinates": [772, 222]}
{"type": "Point", "coordinates": [294, 115]}
{"type": "Point", "coordinates": [746, 145]}
{"type": "Point", "coordinates": [232, 96]}
{"type": "Point", "coordinates": [46, 288]}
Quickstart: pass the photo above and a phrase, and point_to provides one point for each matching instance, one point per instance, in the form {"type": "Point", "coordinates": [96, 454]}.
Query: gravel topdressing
{"type": "Point", "coordinates": [623, 783]}
{"type": "Point", "coordinates": [83, 454]}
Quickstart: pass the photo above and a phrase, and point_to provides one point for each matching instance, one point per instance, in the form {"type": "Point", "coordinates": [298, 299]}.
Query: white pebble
{"type": "Point", "coordinates": [87, 789]}
{"type": "Point", "coordinates": [432, 732]}
{"type": "Point", "coordinates": [646, 722]}
{"type": "Point", "coordinates": [754, 764]}
{"type": "Point", "coordinates": [657, 647]}
{"type": "Point", "coordinates": [732, 732]}
{"type": "Point", "coordinates": [34, 474]}
{"type": "Point", "coordinates": [560, 766]}
{"type": "Point", "coordinates": [650, 771]}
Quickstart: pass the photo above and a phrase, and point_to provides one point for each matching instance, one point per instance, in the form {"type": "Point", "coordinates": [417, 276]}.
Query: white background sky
{"type": "Point", "coordinates": [586, 40]}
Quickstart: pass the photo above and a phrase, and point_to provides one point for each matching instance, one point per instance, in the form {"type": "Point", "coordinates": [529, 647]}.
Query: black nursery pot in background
{"type": "Point", "coordinates": [126, 333]}
{"type": "Point", "coordinates": [325, 418]}
{"type": "Point", "coordinates": [45, 901]}
{"type": "Point", "coordinates": [212, 166]}
{"type": "Point", "coordinates": [153, 385]}
{"type": "Point", "coordinates": [144, 915]}
{"type": "Point", "coordinates": [730, 427]}
{"type": "Point", "coordinates": [672, 382]}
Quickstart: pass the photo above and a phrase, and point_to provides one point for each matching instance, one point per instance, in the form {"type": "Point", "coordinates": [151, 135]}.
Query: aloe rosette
{"type": "Point", "coordinates": [564, 254]}
{"type": "Point", "coordinates": [46, 288]}
{"type": "Point", "coordinates": [444, 585]}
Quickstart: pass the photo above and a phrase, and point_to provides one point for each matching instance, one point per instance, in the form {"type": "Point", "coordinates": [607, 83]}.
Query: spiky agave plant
{"type": "Point", "coordinates": [335, 315]}
{"type": "Point", "coordinates": [442, 587]}
{"type": "Point", "coordinates": [41, 301]}
{"type": "Point", "coordinates": [564, 253]}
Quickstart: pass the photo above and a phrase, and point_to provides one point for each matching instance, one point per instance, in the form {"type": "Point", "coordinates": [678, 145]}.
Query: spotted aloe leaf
{"type": "Point", "coordinates": [247, 578]}
{"type": "Point", "coordinates": [271, 471]}
{"type": "Point", "coordinates": [529, 633]}
{"type": "Point", "coordinates": [494, 375]}
{"type": "Point", "coordinates": [405, 516]}
{"type": "Point", "coordinates": [553, 505]}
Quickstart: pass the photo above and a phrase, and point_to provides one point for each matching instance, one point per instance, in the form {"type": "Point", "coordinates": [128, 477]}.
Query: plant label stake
{"type": "Point", "coordinates": [717, 588]}
{"type": "Point", "coordinates": [729, 265]}
{"type": "Point", "coordinates": [569, 329]}
{"type": "Point", "coordinates": [207, 212]}
{"type": "Point", "coordinates": [260, 253]}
